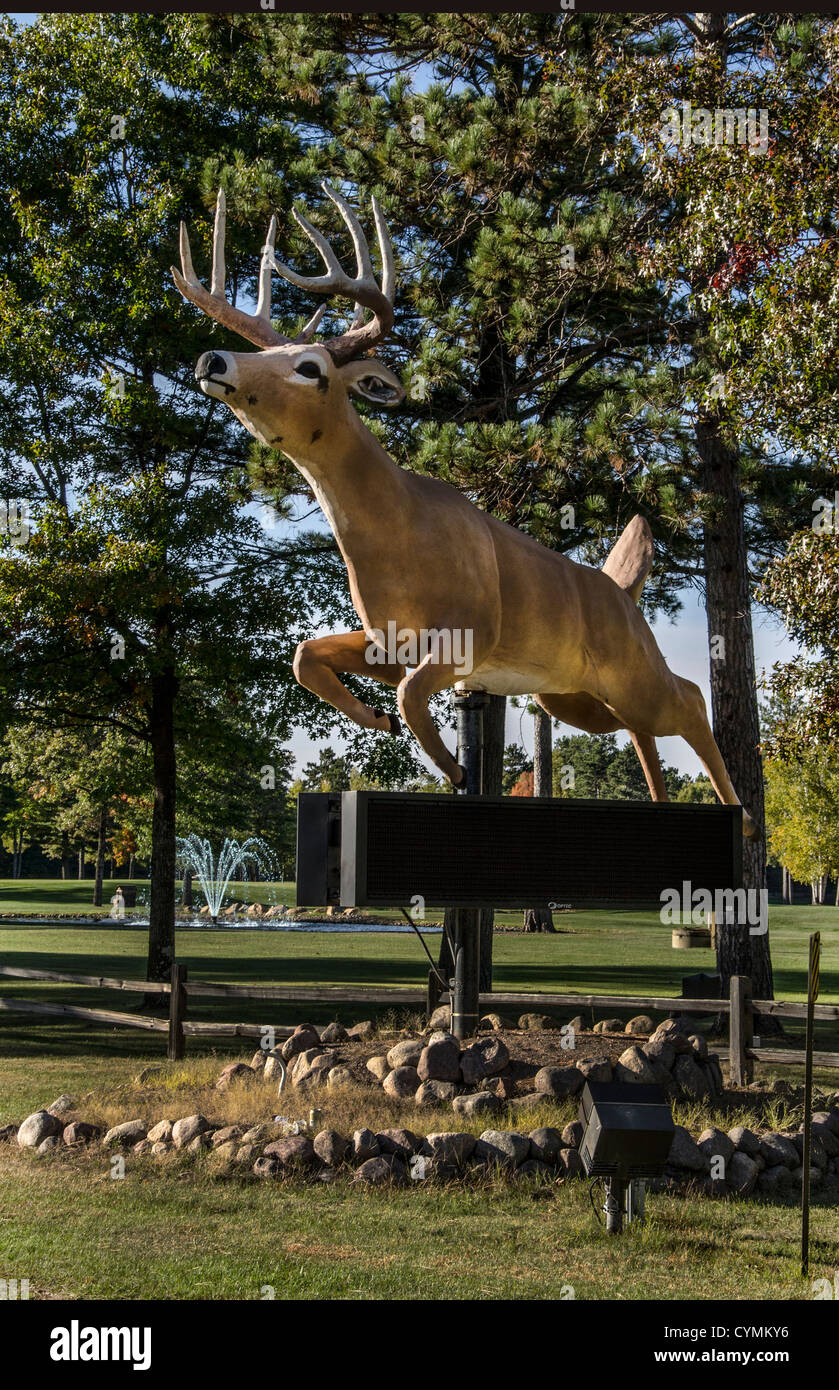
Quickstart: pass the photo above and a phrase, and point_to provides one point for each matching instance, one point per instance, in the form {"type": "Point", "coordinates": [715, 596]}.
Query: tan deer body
{"type": "Point", "coordinates": [420, 556]}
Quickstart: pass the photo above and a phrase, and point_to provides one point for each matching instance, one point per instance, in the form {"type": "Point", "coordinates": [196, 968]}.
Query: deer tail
{"type": "Point", "coordinates": [630, 559]}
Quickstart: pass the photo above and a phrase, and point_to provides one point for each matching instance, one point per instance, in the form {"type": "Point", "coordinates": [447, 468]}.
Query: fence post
{"type": "Point", "coordinates": [741, 1018]}
{"type": "Point", "coordinates": [177, 1009]}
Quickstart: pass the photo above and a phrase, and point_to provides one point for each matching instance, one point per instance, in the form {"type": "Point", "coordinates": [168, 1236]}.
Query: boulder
{"type": "Point", "coordinates": [609, 1025]}
{"type": "Point", "coordinates": [816, 1177]}
{"type": "Point", "coordinates": [633, 1066]}
{"type": "Point", "coordinates": [226, 1135]}
{"type": "Point", "coordinates": [236, 1071]}
{"type": "Point", "coordinates": [295, 1151]}
{"type": "Point", "coordinates": [578, 1024]}
{"type": "Point", "coordinates": [642, 1026]}
{"type": "Point", "coordinates": [690, 1078]}
{"type": "Point", "coordinates": [484, 1059]}
{"type": "Point", "coordinates": [502, 1087]}
{"type": "Point", "coordinates": [558, 1082]}
{"type": "Point", "coordinates": [742, 1173]}
{"type": "Point", "coordinates": [160, 1147]}
{"type": "Point", "coordinates": [199, 1143]}
{"type": "Point", "coordinates": [778, 1177]}
{"type": "Point", "coordinates": [535, 1023]}
{"type": "Point", "coordinates": [478, 1103]}
{"type": "Point", "coordinates": [401, 1142]}
{"type": "Point", "coordinates": [714, 1143]}
{"type": "Point", "coordinates": [331, 1147]}
{"type": "Point", "coordinates": [339, 1076]}
{"type": "Point", "coordinates": [533, 1101]}
{"type": "Point", "coordinates": [184, 1131]}
{"type": "Point", "coordinates": [698, 1045]}
{"type": "Point", "coordinates": [274, 1068]}
{"type": "Point", "coordinates": [256, 1134]}
{"type": "Point", "coordinates": [406, 1053]}
{"type": "Point", "coordinates": [401, 1083]}
{"type": "Point", "coordinates": [62, 1106]}
{"type": "Point", "coordinates": [534, 1169]}
{"type": "Point", "coordinates": [660, 1050]}
{"type": "Point", "coordinates": [493, 1021]}
{"type": "Point", "coordinates": [387, 1168]}
{"type": "Point", "coordinates": [826, 1137]}
{"type": "Point", "coordinates": [127, 1134]}
{"type": "Point", "coordinates": [79, 1132]}
{"type": "Point", "coordinates": [441, 1018]}
{"type": "Point", "coordinates": [713, 1071]}
{"type": "Point", "coordinates": [161, 1132]}
{"type": "Point", "coordinates": [267, 1168]}
{"type": "Point", "coordinates": [503, 1147]}
{"type": "Point", "coordinates": [776, 1148]}
{"type": "Point", "coordinates": [686, 1153]}
{"type": "Point", "coordinates": [361, 1030]}
{"type": "Point", "coordinates": [8, 1133]}
{"type": "Point", "coordinates": [37, 1127]}
{"type": "Point", "coordinates": [674, 1031]}
{"type": "Point", "coordinates": [378, 1067]}
{"type": "Point", "coordinates": [364, 1145]}
{"type": "Point", "coordinates": [226, 1151]}
{"type": "Point", "coordinates": [305, 1036]}
{"type": "Point", "coordinates": [433, 1093]}
{"type": "Point", "coordinates": [311, 1068]}
{"type": "Point", "coordinates": [571, 1164]}
{"type": "Point", "coordinates": [744, 1140]}
{"type": "Point", "coordinates": [545, 1144]}
{"type": "Point", "coordinates": [450, 1147]}
{"type": "Point", "coordinates": [258, 1060]}
{"type": "Point", "coordinates": [47, 1145]}
{"type": "Point", "coordinates": [440, 1059]}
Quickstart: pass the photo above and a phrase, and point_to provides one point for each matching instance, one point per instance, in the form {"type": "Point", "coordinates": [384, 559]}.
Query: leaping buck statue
{"type": "Point", "coordinates": [420, 555]}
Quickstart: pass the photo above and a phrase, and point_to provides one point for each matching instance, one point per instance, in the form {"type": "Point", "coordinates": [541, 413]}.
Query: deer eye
{"type": "Point", "coordinates": [310, 369]}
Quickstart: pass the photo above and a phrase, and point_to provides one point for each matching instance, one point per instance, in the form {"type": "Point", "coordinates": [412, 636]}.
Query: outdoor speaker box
{"type": "Point", "coordinates": [628, 1130]}
{"type": "Point", "coordinates": [510, 852]}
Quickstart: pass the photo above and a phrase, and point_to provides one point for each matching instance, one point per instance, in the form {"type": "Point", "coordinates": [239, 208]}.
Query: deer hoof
{"type": "Point", "coordinates": [750, 827]}
{"type": "Point", "coordinates": [393, 724]}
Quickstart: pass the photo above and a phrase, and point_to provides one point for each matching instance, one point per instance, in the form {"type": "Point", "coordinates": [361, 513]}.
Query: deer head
{"type": "Point", "coordinates": [295, 392]}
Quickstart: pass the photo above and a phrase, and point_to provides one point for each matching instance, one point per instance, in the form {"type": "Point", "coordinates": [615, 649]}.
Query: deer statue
{"type": "Point", "coordinates": [420, 557]}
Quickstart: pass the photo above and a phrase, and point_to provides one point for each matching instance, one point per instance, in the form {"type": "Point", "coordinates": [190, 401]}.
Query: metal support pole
{"type": "Point", "coordinates": [613, 1206]}
{"type": "Point", "coordinates": [466, 921]}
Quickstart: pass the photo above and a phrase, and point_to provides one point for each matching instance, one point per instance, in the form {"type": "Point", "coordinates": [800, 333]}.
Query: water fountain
{"type": "Point", "coordinates": [214, 875]}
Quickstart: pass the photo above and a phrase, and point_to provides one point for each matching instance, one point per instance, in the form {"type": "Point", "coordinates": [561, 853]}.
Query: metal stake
{"type": "Point", "coordinates": [469, 713]}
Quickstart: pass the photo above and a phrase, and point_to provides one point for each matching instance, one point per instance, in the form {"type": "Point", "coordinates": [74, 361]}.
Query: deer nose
{"type": "Point", "coordinates": [210, 364]}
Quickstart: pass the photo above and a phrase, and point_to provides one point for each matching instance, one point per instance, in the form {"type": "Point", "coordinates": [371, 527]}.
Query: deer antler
{"type": "Point", "coordinates": [255, 327]}
{"type": "Point", "coordinates": [363, 290]}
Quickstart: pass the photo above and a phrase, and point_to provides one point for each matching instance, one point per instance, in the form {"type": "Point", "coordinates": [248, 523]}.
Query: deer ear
{"type": "Point", "coordinates": [372, 381]}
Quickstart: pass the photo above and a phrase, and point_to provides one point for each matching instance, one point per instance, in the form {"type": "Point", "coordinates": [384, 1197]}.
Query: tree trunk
{"type": "Point", "coordinates": [100, 857]}
{"type": "Point", "coordinates": [130, 866]}
{"type": "Point", "coordinates": [162, 899]}
{"type": "Point", "coordinates": [81, 860]}
{"type": "Point", "coordinates": [187, 887]}
{"type": "Point", "coordinates": [65, 855]}
{"type": "Point", "coordinates": [540, 919]}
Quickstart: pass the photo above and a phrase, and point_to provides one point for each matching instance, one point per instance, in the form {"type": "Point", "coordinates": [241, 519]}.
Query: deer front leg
{"type": "Point", "coordinates": [319, 661]}
{"type": "Point", "coordinates": [413, 695]}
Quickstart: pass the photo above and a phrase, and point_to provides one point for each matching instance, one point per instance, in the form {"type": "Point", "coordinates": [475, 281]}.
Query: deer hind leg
{"type": "Point", "coordinates": [644, 745]}
{"type": "Point", "coordinates": [697, 732]}
{"type": "Point", "coordinates": [413, 695]}
{"type": "Point", "coordinates": [318, 662]}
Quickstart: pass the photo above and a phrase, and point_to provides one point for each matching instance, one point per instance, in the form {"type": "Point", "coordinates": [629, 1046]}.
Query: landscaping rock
{"type": "Point", "coordinates": [127, 1134]}
{"type": "Point", "coordinates": [406, 1053]}
{"type": "Point", "coordinates": [642, 1025]}
{"type": "Point", "coordinates": [79, 1132]}
{"type": "Point", "coordinates": [161, 1132]}
{"type": "Point", "coordinates": [441, 1018]}
{"type": "Point", "coordinates": [533, 1101]}
{"type": "Point", "coordinates": [742, 1173]}
{"type": "Point", "coordinates": [775, 1148]}
{"type": "Point", "coordinates": [434, 1093]}
{"type": "Point", "coordinates": [675, 1031]}
{"type": "Point", "coordinates": [184, 1131]}
{"type": "Point", "coordinates": [660, 1050]}
{"type": "Point", "coordinates": [311, 1068]}
{"type": "Point", "coordinates": [502, 1146]}
{"type": "Point", "coordinates": [698, 1045]}
{"type": "Point", "coordinates": [558, 1082]}
{"type": "Point", "coordinates": [200, 1143]}
{"type": "Point", "coordinates": [690, 1077]}
{"type": "Point", "coordinates": [479, 1103]}
{"type": "Point", "coordinates": [502, 1087]}
{"type": "Point", "coordinates": [572, 1135]}
{"type": "Point", "coordinates": [304, 1037]}
{"type": "Point", "coordinates": [365, 1145]}
{"type": "Point", "coordinates": [38, 1127]}
{"type": "Point", "coordinates": [47, 1145]}
{"type": "Point", "coordinates": [378, 1171]}
{"type": "Point", "coordinates": [493, 1021]}
{"type": "Point", "coordinates": [716, 1144]}
{"type": "Point", "coordinates": [534, 1170]}
{"type": "Point", "coordinates": [686, 1153]}
{"type": "Point", "coordinates": [8, 1133]}
{"type": "Point", "coordinates": [744, 1140]}
{"type": "Point", "coordinates": [226, 1151]}
{"type": "Point", "coordinates": [378, 1067]}
{"type": "Point", "coordinates": [816, 1177]}
{"type": "Point", "coordinates": [826, 1137]}
{"type": "Point", "coordinates": [160, 1147]}
{"type": "Point", "coordinates": [450, 1147]}
{"type": "Point", "coordinates": [535, 1023]}
{"type": "Point", "coordinates": [339, 1076]}
{"type": "Point", "coordinates": [633, 1066]}
{"type": "Point", "coordinates": [258, 1060]}
{"type": "Point", "coordinates": [440, 1059]}
{"type": "Point", "coordinates": [143, 1147]}
{"type": "Point", "coordinates": [295, 1151]}
{"type": "Point", "coordinates": [274, 1068]}
{"type": "Point", "coordinates": [776, 1178]}
{"type": "Point", "coordinates": [236, 1071]}
{"type": "Point", "coordinates": [714, 1073]}
{"type": "Point", "coordinates": [578, 1024]}
{"type": "Point", "coordinates": [267, 1168]}
{"type": "Point", "coordinates": [402, 1083]}
{"type": "Point", "coordinates": [402, 1142]}
{"type": "Point", "coordinates": [331, 1147]}
{"type": "Point", "coordinates": [609, 1025]}
{"type": "Point", "coordinates": [334, 1033]}
{"type": "Point", "coordinates": [62, 1106]}
{"type": "Point", "coordinates": [545, 1144]}
{"type": "Point", "coordinates": [256, 1134]}
{"type": "Point", "coordinates": [495, 1057]}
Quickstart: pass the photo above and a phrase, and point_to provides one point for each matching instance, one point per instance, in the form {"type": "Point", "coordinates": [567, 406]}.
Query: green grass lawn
{"type": "Point", "coordinates": [72, 1230]}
